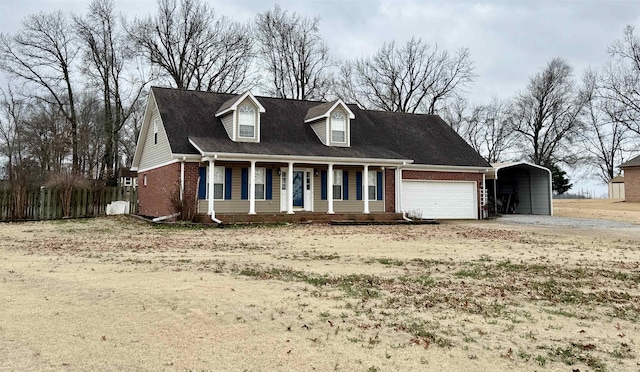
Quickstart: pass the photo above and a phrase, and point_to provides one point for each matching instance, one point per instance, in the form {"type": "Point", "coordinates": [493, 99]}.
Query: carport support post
{"type": "Point", "coordinates": [290, 188]}
{"type": "Point", "coordinates": [365, 186]}
{"type": "Point", "coordinates": [330, 189]}
{"type": "Point", "coordinates": [495, 193]}
{"type": "Point", "coordinates": [252, 188]}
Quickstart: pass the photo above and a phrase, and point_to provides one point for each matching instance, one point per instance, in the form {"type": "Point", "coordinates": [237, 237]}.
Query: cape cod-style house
{"type": "Point", "coordinates": [243, 154]}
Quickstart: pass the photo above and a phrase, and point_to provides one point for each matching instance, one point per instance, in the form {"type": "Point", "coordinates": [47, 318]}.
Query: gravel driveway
{"type": "Point", "coordinates": [585, 223]}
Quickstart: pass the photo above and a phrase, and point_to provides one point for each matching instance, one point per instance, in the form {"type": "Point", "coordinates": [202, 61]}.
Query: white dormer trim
{"type": "Point", "coordinates": [239, 100]}
{"type": "Point", "coordinates": [327, 113]}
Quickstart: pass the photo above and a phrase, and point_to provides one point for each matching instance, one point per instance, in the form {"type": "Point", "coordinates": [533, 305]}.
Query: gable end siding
{"type": "Point", "coordinates": [155, 154]}
{"type": "Point", "coordinates": [227, 122]}
{"type": "Point", "coordinates": [320, 129]}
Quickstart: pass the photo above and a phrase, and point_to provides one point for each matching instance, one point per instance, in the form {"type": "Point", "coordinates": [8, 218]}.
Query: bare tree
{"type": "Point", "coordinates": [621, 79]}
{"type": "Point", "coordinates": [413, 78]}
{"type": "Point", "coordinates": [111, 66]}
{"type": "Point", "coordinates": [42, 53]}
{"type": "Point", "coordinates": [546, 114]}
{"type": "Point", "coordinates": [293, 54]}
{"type": "Point", "coordinates": [487, 128]}
{"type": "Point", "coordinates": [17, 167]}
{"type": "Point", "coordinates": [195, 48]}
{"type": "Point", "coordinates": [605, 137]}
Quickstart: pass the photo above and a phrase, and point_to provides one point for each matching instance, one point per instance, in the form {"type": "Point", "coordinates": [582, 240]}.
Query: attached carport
{"type": "Point", "coordinates": [520, 188]}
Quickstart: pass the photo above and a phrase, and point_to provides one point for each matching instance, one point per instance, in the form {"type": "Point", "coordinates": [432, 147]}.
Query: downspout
{"type": "Point", "coordinates": [404, 216]}
{"type": "Point", "coordinates": [495, 192]}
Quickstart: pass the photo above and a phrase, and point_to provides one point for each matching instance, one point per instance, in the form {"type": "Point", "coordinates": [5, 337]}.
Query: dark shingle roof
{"type": "Point", "coordinates": [631, 163]}
{"type": "Point", "coordinates": [227, 104]}
{"type": "Point", "coordinates": [426, 139]}
{"type": "Point", "coordinates": [319, 110]}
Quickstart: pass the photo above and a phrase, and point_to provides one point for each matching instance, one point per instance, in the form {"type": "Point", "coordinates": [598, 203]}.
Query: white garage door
{"type": "Point", "coordinates": [440, 199]}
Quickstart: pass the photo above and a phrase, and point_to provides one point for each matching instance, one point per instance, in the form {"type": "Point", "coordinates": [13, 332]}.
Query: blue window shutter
{"type": "Point", "coordinates": [345, 185]}
{"type": "Point", "coordinates": [202, 183]}
{"type": "Point", "coordinates": [228, 173]}
{"type": "Point", "coordinates": [323, 185]}
{"type": "Point", "coordinates": [379, 188]}
{"type": "Point", "coordinates": [268, 186]}
{"type": "Point", "coordinates": [359, 185]}
{"type": "Point", "coordinates": [244, 193]}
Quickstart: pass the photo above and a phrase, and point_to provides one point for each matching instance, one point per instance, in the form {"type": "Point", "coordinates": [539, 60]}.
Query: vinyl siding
{"type": "Point", "coordinates": [227, 121]}
{"type": "Point", "coordinates": [344, 206]}
{"type": "Point", "coordinates": [155, 154]}
{"type": "Point", "coordinates": [237, 205]}
{"type": "Point", "coordinates": [320, 128]}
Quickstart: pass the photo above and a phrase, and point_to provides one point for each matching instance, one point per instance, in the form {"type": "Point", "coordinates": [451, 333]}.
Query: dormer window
{"type": "Point", "coordinates": [331, 121]}
{"type": "Point", "coordinates": [240, 117]}
{"type": "Point", "coordinates": [338, 125]}
{"type": "Point", "coordinates": [247, 121]}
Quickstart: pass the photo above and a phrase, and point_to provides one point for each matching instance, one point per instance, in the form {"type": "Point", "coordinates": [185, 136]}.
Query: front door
{"type": "Point", "coordinates": [302, 189]}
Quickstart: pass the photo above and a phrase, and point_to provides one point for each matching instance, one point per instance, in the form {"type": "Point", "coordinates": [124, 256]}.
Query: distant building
{"type": "Point", "coordinates": [127, 177]}
{"type": "Point", "coordinates": [616, 188]}
{"type": "Point", "coordinates": [631, 171]}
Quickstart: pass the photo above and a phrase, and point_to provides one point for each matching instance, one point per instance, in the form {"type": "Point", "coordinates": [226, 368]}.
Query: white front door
{"type": "Point", "coordinates": [302, 189]}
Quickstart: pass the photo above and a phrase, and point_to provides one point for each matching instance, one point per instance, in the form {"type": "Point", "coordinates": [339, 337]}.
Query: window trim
{"type": "Point", "coordinates": [338, 196]}
{"type": "Point", "coordinates": [337, 115]}
{"type": "Point", "coordinates": [247, 108]}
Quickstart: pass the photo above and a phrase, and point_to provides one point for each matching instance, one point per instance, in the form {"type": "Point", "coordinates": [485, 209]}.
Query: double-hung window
{"type": "Point", "coordinates": [338, 127]}
{"type": "Point", "coordinates": [247, 121]}
{"type": "Point", "coordinates": [218, 183]}
{"type": "Point", "coordinates": [373, 182]}
{"type": "Point", "coordinates": [260, 182]}
{"type": "Point", "coordinates": [337, 184]}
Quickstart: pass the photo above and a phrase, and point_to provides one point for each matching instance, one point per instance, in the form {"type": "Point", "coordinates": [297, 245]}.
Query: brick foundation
{"type": "Point", "coordinates": [632, 184]}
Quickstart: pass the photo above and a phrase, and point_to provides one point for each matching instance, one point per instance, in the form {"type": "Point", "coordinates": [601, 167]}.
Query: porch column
{"type": "Point", "coordinates": [365, 192]}
{"type": "Point", "coordinates": [252, 188]}
{"type": "Point", "coordinates": [290, 188]}
{"type": "Point", "coordinates": [211, 212]}
{"type": "Point", "coordinates": [330, 189]}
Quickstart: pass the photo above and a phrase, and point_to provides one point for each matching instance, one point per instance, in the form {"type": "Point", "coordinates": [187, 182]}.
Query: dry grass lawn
{"type": "Point", "coordinates": [610, 209]}
{"type": "Point", "coordinates": [119, 294]}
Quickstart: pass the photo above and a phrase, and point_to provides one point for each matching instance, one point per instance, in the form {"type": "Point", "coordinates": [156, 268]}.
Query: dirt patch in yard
{"type": "Point", "coordinates": [118, 294]}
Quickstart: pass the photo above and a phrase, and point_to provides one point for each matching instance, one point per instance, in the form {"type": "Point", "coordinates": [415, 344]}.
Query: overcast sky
{"type": "Point", "coordinates": [508, 40]}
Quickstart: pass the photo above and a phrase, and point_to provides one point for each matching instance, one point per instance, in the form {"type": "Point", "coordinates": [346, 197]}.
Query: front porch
{"type": "Point", "coordinates": [242, 189]}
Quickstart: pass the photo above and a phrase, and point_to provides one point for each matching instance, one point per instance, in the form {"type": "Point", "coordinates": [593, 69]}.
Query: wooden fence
{"type": "Point", "coordinates": [47, 204]}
